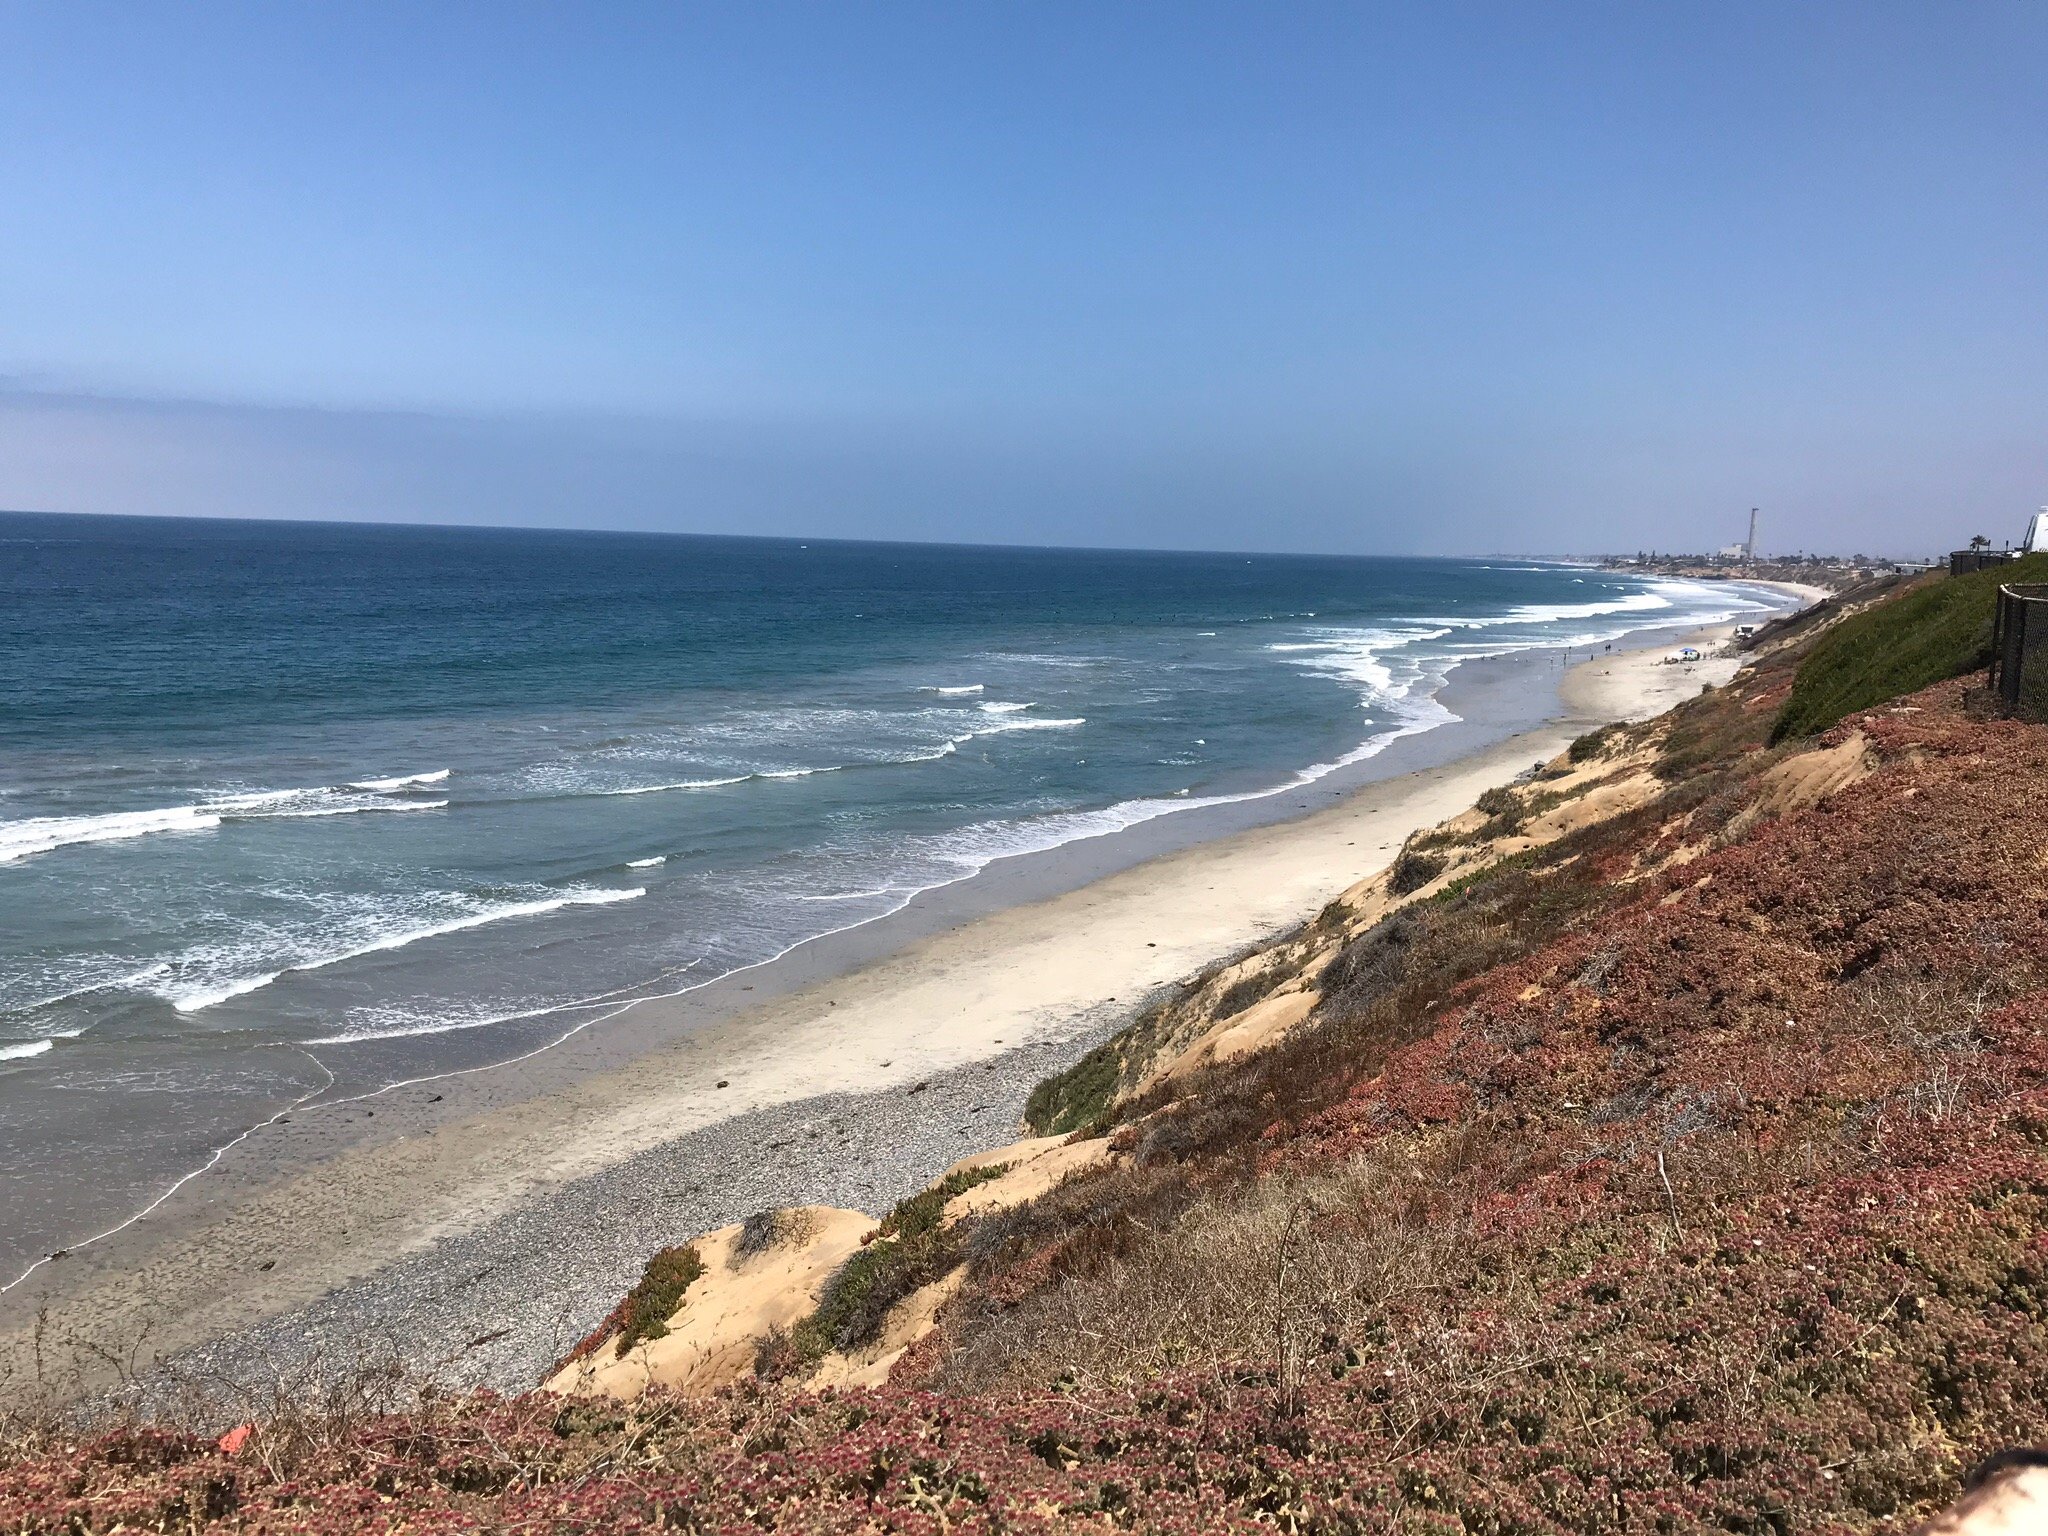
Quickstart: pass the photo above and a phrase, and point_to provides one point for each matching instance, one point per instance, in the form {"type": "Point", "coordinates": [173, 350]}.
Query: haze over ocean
{"type": "Point", "coordinates": [1460, 278]}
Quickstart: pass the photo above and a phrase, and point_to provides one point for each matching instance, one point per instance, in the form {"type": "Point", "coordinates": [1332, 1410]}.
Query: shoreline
{"type": "Point", "coordinates": [682, 1114]}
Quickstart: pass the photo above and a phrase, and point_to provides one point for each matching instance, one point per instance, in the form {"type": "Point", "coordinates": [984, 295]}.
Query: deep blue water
{"type": "Point", "coordinates": [278, 800]}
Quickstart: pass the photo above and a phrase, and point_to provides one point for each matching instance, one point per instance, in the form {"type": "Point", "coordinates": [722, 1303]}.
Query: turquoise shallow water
{"type": "Point", "coordinates": [285, 804]}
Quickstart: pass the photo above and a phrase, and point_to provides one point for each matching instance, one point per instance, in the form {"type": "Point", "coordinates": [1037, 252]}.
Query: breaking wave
{"type": "Point", "coordinates": [45, 834]}
{"type": "Point", "coordinates": [211, 975]}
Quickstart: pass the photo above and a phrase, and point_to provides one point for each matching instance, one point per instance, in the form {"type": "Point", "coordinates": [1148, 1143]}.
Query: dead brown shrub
{"type": "Point", "coordinates": [1284, 1269]}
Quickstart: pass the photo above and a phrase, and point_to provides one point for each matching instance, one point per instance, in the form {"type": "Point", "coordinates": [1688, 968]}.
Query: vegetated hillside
{"type": "Point", "coordinates": [1939, 630]}
{"type": "Point", "coordinates": [1665, 1150]}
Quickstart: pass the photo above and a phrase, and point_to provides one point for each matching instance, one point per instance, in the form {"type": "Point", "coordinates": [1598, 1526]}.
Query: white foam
{"type": "Point", "coordinates": [1359, 657]}
{"type": "Point", "coordinates": [1364, 658]}
{"type": "Point", "coordinates": [681, 784]}
{"type": "Point", "coordinates": [995, 717]}
{"type": "Point", "coordinates": [20, 1050]}
{"type": "Point", "coordinates": [954, 693]}
{"type": "Point", "coordinates": [1403, 687]}
{"type": "Point", "coordinates": [403, 781]}
{"type": "Point", "coordinates": [975, 847]}
{"type": "Point", "coordinates": [1663, 595]}
{"type": "Point", "coordinates": [193, 999]}
{"type": "Point", "coordinates": [1552, 613]}
{"type": "Point", "coordinates": [659, 858]}
{"type": "Point", "coordinates": [1004, 725]}
{"type": "Point", "coordinates": [398, 1024]}
{"type": "Point", "coordinates": [944, 749]}
{"type": "Point", "coordinates": [42, 834]}
{"type": "Point", "coordinates": [45, 834]}
{"type": "Point", "coordinates": [196, 997]}
{"type": "Point", "coordinates": [1392, 680]}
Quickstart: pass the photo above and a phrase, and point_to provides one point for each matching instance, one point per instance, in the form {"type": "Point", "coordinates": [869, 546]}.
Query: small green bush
{"type": "Point", "coordinates": [1589, 746]}
{"type": "Point", "coordinates": [653, 1301]}
{"type": "Point", "coordinates": [911, 1250]}
{"type": "Point", "coordinates": [1079, 1096]}
{"type": "Point", "coordinates": [1413, 870]}
{"type": "Point", "coordinates": [1499, 801]}
{"type": "Point", "coordinates": [919, 1213]}
{"type": "Point", "coordinates": [1246, 990]}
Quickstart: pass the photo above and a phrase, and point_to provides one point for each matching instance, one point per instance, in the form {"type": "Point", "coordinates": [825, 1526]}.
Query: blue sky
{"type": "Point", "coordinates": [1417, 278]}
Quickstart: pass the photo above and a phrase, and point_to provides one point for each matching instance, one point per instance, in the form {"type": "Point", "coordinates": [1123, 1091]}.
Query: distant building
{"type": "Point", "coordinates": [1961, 562]}
{"type": "Point", "coordinates": [2037, 533]}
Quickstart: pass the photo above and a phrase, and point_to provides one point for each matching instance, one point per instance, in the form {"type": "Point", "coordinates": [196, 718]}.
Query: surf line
{"type": "Point", "coordinates": [212, 1162]}
{"type": "Point", "coordinates": [306, 1101]}
{"type": "Point", "coordinates": [910, 894]}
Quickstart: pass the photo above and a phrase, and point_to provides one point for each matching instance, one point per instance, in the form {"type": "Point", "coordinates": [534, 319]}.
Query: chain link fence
{"type": "Point", "coordinates": [2019, 651]}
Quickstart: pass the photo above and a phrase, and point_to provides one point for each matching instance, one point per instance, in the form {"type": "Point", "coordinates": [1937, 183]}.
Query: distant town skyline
{"type": "Point", "coordinates": [1456, 279]}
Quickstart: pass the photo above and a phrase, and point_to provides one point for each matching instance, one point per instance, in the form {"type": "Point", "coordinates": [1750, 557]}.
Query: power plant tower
{"type": "Point", "coordinates": [1749, 548]}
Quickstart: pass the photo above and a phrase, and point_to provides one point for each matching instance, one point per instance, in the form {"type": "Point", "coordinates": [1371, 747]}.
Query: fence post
{"type": "Point", "coordinates": [1995, 679]}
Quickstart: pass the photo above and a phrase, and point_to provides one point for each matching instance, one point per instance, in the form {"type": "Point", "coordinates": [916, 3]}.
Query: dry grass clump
{"type": "Point", "coordinates": [281, 1422]}
{"type": "Point", "coordinates": [765, 1230]}
{"type": "Point", "coordinates": [1413, 869]}
{"type": "Point", "coordinates": [1269, 1272]}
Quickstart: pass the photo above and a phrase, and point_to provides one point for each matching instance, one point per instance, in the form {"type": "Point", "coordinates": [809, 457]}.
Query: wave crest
{"type": "Point", "coordinates": [45, 834]}
{"type": "Point", "coordinates": [196, 992]}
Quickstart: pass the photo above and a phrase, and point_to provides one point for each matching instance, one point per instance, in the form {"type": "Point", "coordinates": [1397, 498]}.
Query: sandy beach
{"type": "Point", "coordinates": [481, 1223]}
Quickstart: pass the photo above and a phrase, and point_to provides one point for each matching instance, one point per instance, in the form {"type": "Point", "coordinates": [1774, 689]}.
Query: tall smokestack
{"type": "Point", "coordinates": [1749, 549]}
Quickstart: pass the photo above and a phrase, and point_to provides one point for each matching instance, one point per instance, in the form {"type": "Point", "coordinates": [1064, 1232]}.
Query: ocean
{"type": "Point", "coordinates": [292, 811]}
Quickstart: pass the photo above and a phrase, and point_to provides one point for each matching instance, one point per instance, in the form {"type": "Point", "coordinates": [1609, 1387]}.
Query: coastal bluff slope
{"type": "Point", "coordinates": [1659, 1145]}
